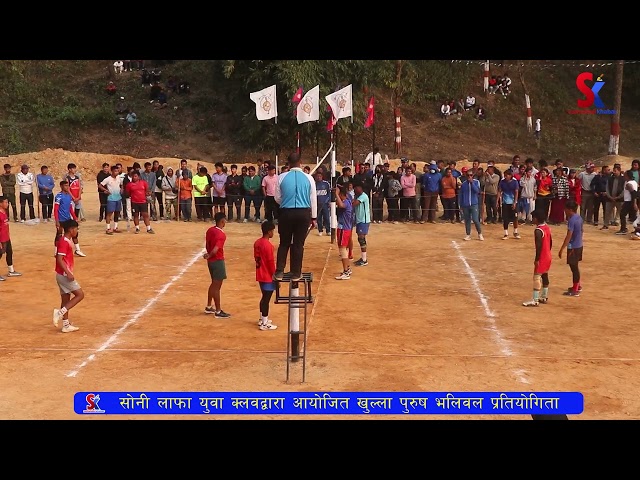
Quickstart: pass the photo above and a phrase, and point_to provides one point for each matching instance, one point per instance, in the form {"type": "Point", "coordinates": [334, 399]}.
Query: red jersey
{"type": "Point", "coordinates": [265, 261]}
{"type": "Point", "coordinates": [544, 262]}
{"type": "Point", "coordinates": [64, 247]}
{"type": "Point", "coordinates": [4, 227]}
{"type": "Point", "coordinates": [137, 191]}
{"type": "Point", "coordinates": [215, 238]}
{"type": "Point", "coordinates": [75, 187]}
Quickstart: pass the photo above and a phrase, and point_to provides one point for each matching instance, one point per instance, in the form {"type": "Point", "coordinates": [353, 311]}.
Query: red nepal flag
{"type": "Point", "coordinates": [298, 96]}
{"type": "Point", "coordinates": [369, 121]}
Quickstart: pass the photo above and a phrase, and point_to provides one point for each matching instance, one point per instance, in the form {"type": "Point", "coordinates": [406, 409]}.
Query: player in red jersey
{"type": "Point", "coordinates": [138, 191]}
{"type": "Point", "coordinates": [265, 268]}
{"type": "Point", "coordinates": [65, 277]}
{"type": "Point", "coordinates": [542, 262]}
{"type": "Point", "coordinates": [5, 239]}
{"type": "Point", "coordinates": [214, 255]}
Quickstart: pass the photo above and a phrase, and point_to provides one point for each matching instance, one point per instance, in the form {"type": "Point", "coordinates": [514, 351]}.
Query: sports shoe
{"type": "Point", "coordinates": [571, 288]}
{"type": "Point", "coordinates": [209, 310]}
{"type": "Point", "coordinates": [222, 314]}
{"type": "Point", "coordinates": [604, 227]}
{"type": "Point", "coordinates": [2, 279]}
{"type": "Point", "coordinates": [14, 274]}
{"type": "Point", "coordinates": [22, 221]}
{"type": "Point", "coordinates": [296, 277]}
{"type": "Point", "coordinates": [516, 235]}
{"type": "Point", "coordinates": [622, 232]}
{"type": "Point", "coordinates": [57, 316]}
{"type": "Point", "coordinates": [635, 236]}
{"type": "Point", "coordinates": [267, 326]}
{"type": "Point", "coordinates": [344, 276]}
{"type": "Point", "coordinates": [80, 254]}
{"type": "Point", "coordinates": [137, 231]}
{"type": "Point", "coordinates": [467, 237]}
{"type": "Point", "coordinates": [70, 328]}
{"type": "Point", "coordinates": [505, 237]}
{"type": "Point", "coordinates": [481, 237]}
{"type": "Point", "coordinates": [115, 230]}
{"type": "Point", "coordinates": [278, 276]}
{"type": "Point", "coordinates": [361, 263]}
{"type": "Point", "coordinates": [109, 232]}
{"type": "Point", "coordinates": [571, 293]}
{"type": "Point", "coordinates": [151, 231]}
{"type": "Point", "coordinates": [530, 303]}
{"type": "Point", "coordinates": [543, 300]}
{"type": "Point", "coordinates": [245, 220]}
{"type": "Point", "coordinates": [319, 234]}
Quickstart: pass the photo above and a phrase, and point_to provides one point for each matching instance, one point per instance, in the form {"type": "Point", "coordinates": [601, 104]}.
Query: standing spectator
{"type": "Point", "coordinates": [615, 197]}
{"type": "Point", "coordinates": [508, 189]}
{"type": "Point", "coordinates": [407, 202]}
{"type": "Point", "coordinates": [8, 185]}
{"type": "Point", "coordinates": [252, 185]}
{"type": "Point", "coordinates": [200, 183]}
{"type": "Point", "coordinates": [233, 189]}
{"type": "Point", "coordinates": [184, 168]}
{"type": "Point", "coordinates": [140, 192]}
{"type": "Point", "coordinates": [296, 195]}
{"type": "Point", "coordinates": [599, 188]}
{"type": "Point", "coordinates": [76, 189]}
{"type": "Point", "coordinates": [448, 186]}
{"type": "Point", "coordinates": [393, 196]}
{"type": "Point", "coordinates": [269, 191]}
{"type": "Point", "coordinates": [218, 193]}
{"type": "Point", "coordinates": [537, 132]}
{"type": "Point", "coordinates": [575, 187]}
{"type": "Point", "coordinates": [149, 177]}
{"type": "Point", "coordinates": [544, 194]}
{"type": "Point", "coordinates": [560, 193]}
{"type": "Point", "coordinates": [185, 189]}
{"type": "Point", "coordinates": [479, 175]}
{"type": "Point", "coordinates": [102, 174]}
{"type": "Point", "coordinates": [45, 192]}
{"type": "Point", "coordinates": [363, 220]}
{"type": "Point", "coordinates": [374, 157]}
{"type": "Point", "coordinates": [111, 186]}
{"type": "Point", "coordinates": [586, 207]}
{"type": "Point", "coordinates": [25, 181]}
{"type": "Point", "coordinates": [635, 170]}
{"type": "Point", "coordinates": [323, 198]}
{"type": "Point", "coordinates": [126, 65]}
{"type": "Point", "coordinates": [379, 183]}
{"type": "Point", "coordinates": [431, 181]}
{"type": "Point", "coordinates": [491, 180]}
{"type": "Point", "coordinates": [169, 184]}
{"type": "Point", "coordinates": [157, 189]}
{"type": "Point", "coordinates": [469, 197]}
{"type": "Point", "coordinates": [629, 207]}
{"type": "Point", "coordinates": [528, 190]}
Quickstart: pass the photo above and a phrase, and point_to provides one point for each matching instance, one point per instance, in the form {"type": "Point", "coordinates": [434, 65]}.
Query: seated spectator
{"type": "Point", "coordinates": [111, 89]}
{"type": "Point", "coordinates": [156, 76]}
{"type": "Point", "coordinates": [506, 85]}
{"type": "Point", "coordinates": [452, 107]}
{"type": "Point", "coordinates": [480, 113]}
{"type": "Point", "coordinates": [184, 87]}
{"type": "Point", "coordinates": [470, 102]}
{"type": "Point", "coordinates": [118, 66]}
{"type": "Point", "coordinates": [445, 110]}
{"type": "Point", "coordinates": [162, 100]}
{"type": "Point", "coordinates": [154, 92]}
{"type": "Point", "coordinates": [145, 78]}
{"type": "Point", "coordinates": [132, 120]}
{"type": "Point", "coordinates": [172, 84]}
{"type": "Point", "coordinates": [126, 65]}
{"type": "Point", "coordinates": [493, 85]}
{"type": "Point", "coordinates": [460, 106]}
{"type": "Point", "coordinates": [121, 107]}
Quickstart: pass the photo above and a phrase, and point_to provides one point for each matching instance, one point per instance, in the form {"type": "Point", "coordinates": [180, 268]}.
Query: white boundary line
{"type": "Point", "coordinates": [502, 343]}
{"type": "Point", "coordinates": [136, 316]}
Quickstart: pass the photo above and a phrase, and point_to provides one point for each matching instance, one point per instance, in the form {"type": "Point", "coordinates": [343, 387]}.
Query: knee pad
{"type": "Point", "coordinates": [537, 281]}
{"type": "Point", "coordinates": [362, 241]}
{"type": "Point", "coordinates": [343, 252]}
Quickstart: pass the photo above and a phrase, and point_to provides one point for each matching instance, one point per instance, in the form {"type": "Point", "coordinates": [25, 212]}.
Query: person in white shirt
{"type": "Point", "coordinates": [117, 66]}
{"type": "Point", "coordinates": [629, 207]}
{"type": "Point", "coordinates": [25, 180]}
{"type": "Point", "coordinates": [374, 158]}
{"type": "Point", "coordinates": [170, 189]}
{"type": "Point", "coordinates": [445, 110]}
{"type": "Point", "coordinates": [470, 102]}
{"type": "Point", "coordinates": [537, 130]}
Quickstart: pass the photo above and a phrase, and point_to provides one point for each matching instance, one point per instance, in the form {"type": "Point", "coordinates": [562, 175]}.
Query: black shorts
{"type": "Point", "coordinates": [508, 213]}
{"type": "Point", "coordinates": [217, 270]}
{"type": "Point", "coordinates": [139, 208]}
{"type": "Point", "coordinates": [574, 255]}
{"type": "Point", "coordinates": [219, 200]}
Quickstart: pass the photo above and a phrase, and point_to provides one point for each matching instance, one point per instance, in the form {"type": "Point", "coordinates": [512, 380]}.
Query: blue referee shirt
{"type": "Point", "coordinates": [296, 189]}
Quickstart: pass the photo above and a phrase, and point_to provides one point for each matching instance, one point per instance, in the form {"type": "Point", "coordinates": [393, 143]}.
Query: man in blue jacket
{"type": "Point", "coordinates": [323, 195]}
{"type": "Point", "coordinates": [430, 190]}
{"type": "Point", "coordinates": [45, 192]}
{"type": "Point", "coordinates": [468, 201]}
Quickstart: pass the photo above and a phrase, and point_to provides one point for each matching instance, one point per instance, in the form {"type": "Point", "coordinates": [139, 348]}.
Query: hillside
{"type": "Point", "coordinates": [62, 105]}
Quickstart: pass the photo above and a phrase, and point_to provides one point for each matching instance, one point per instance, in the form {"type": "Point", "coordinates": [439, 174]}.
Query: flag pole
{"type": "Point", "coordinates": [332, 206]}
{"type": "Point", "coordinates": [352, 163]}
{"type": "Point", "coordinates": [276, 142]}
{"type": "Point", "coordinates": [317, 142]}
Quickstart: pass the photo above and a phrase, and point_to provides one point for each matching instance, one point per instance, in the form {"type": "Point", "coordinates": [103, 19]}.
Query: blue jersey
{"type": "Point", "coordinates": [65, 205]}
{"type": "Point", "coordinates": [345, 215]}
{"type": "Point", "coordinates": [509, 189]}
{"type": "Point", "coordinates": [323, 192]}
{"type": "Point", "coordinates": [575, 226]}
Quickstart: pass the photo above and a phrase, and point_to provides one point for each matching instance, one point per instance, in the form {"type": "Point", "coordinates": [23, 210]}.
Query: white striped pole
{"type": "Point", "coordinates": [486, 76]}
{"type": "Point", "coordinates": [398, 140]}
{"type": "Point", "coordinates": [529, 121]}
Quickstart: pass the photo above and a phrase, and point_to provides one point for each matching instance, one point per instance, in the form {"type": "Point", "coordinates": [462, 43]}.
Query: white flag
{"type": "Point", "coordinates": [308, 109]}
{"type": "Point", "coordinates": [266, 105]}
{"type": "Point", "coordinates": [340, 103]}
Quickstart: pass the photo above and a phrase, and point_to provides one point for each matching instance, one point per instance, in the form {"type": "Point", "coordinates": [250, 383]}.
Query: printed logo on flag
{"type": "Point", "coordinates": [265, 102]}
{"type": "Point", "coordinates": [592, 96]}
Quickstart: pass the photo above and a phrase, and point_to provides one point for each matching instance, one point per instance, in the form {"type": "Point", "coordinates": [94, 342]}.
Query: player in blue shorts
{"type": "Point", "coordinates": [363, 220]}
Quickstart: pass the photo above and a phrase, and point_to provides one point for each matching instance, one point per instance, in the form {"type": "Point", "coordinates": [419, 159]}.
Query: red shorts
{"type": "Point", "coordinates": [343, 237]}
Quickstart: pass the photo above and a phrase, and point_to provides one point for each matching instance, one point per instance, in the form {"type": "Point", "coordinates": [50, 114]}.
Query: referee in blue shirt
{"type": "Point", "coordinates": [296, 195]}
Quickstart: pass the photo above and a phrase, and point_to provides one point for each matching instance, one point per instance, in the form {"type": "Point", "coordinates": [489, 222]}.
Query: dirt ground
{"type": "Point", "coordinates": [429, 313]}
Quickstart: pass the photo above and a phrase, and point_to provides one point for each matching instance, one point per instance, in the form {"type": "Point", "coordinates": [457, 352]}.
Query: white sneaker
{"type": "Point", "coordinates": [343, 276]}
{"type": "Point", "coordinates": [80, 254]}
{"type": "Point", "coordinates": [505, 237]}
{"type": "Point", "coordinates": [2, 279]}
{"type": "Point", "coordinates": [70, 328]}
{"type": "Point", "coordinates": [244, 220]}
{"type": "Point", "coordinates": [56, 317]}
{"type": "Point", "coordinates": [21, 221]}
{"type": "Point", "coordinates": [14, 274]}
{"type": "Point", "coordinates": [319, 234]}
{"type": "Point", "coordinates": [260, 321]}
{"type": "Point", "coordinates": [480, 237]}
{"type": "Point", "coordinates": [530, 303]}
{"type": "Point", "coordinates": [268, 326]}
{"type": "Point", "coordinates": [467, 237]}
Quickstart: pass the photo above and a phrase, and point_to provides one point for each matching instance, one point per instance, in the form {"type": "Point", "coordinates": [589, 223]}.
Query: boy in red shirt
{"type": "Point", "coordinates": [5, 240]}
{"type": "Point", "coordinates": [138, 190]}
{"type": "Point", "coordinates": [542, 261]}
{"type": "Point", "coordinates": [75, 188]}
{"type": "Point", "coordinates": [265, 268]}
{"type": "Point", "coordinates": [65, 277]}
{"type": "Point", "coordinates": [214, 255]}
